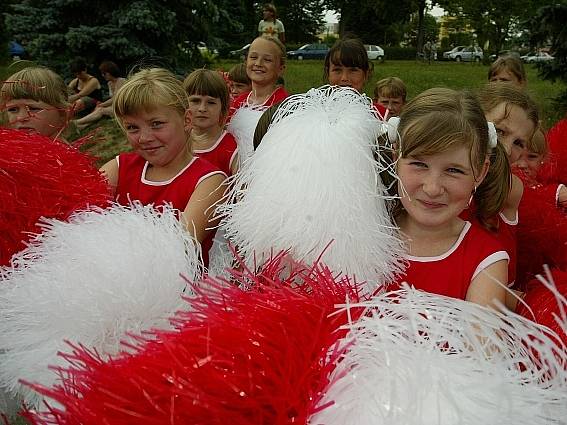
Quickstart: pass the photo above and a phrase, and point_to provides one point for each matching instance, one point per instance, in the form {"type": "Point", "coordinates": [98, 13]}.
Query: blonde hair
{"type": "Point", "coordinates": [441, 119]}
{"type": "Point", "coordinates": [538, 142]}
{"type": "Point", "coordinates": [390, 87]}
{"type": "Point", "coordinates": [238, 74]}
{"type": "Point", "coordinates": [38, 83]}
{"type": "Point", "coordinates": [494, 94]}
{"type": "Point", "coordinates": [204, 82]}
{"type": "Point", "coordinates": [511, 64]}
{"type": "Point", "coordinates": [148, 89]}
{"type": "Point", "coordinates": [277, 42]}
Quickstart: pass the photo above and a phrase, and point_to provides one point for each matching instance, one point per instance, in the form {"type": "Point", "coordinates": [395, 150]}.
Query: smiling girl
{"type": "Point", "coordinates": [151, 107]}
{"type": "Point", "coordinates": [444, 154]}
{"type": "Point", "coordinates": [265, 64]}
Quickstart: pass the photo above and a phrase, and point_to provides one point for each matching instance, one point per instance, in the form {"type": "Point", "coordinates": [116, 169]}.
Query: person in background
{"type": "Point", "coordinates": [111, 73]}
{"type": "Point", "coordinates": [391, 93]}
{"type": "Point", "coordinates": [85, 89]}
{"type": "Point", "coordinates": [239, 80]}
{"type": "Point", "coordinates": [270, 25]}
{"type": "Point", "coordinates": [508, 69]}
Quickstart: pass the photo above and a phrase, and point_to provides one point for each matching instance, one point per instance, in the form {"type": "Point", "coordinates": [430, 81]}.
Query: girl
{"type": "Point", "coordinates": [151, 108]}
{"type": "Point", "coordinates": [516, 118]}
{"type": "Point", "coordinates": [270, 25]}
{"type": "Point", "coordinates": [86, 88]}
{"type": "Point", "coordinates": [444, 155]}
{"type": "Point", "coordinates": [111, 73]}
{"type": "Point", "coordinates": [265, 64]}
{"type": "Point", "coordinates": [208, 104]}
{"type": "Point", "coordinates": [508, 69]}
{"type": "Point", "coordinates": [347, 65]}
{"type": "Point", "coordinates": [239, 80]}
{"type": "Point", "coordinates": [35, 100]}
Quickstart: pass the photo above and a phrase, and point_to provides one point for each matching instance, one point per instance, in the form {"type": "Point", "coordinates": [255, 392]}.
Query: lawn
{"type": "Point", "coordinates": [302, 75]}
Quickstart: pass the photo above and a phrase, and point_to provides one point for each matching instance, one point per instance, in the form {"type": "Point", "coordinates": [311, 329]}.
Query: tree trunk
{"type": "Point", "coordinates": [420, 26]}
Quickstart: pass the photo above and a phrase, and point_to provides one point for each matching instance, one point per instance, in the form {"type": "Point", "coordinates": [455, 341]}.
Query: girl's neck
{"type": "Point", "coordinates": [204, 138]}
{"type": "Point", "coordinates": [260, 94]}
{"type": "Point", "coordinates": [427, 241]}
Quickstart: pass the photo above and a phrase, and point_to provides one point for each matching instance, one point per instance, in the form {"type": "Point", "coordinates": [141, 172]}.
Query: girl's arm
{"type": "Point", "coordinates": [489, 285]}
{"type": "Point", "coordinates": [87, 89]}
{"type": "Point", "coordinates": [110, 171]}
{"type": "Point", "coordinates": [199, 214]}
{"type": "Point", "coordinates": [510, 208]}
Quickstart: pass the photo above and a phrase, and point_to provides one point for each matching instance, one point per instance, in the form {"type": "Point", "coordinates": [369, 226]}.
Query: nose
{"type": "Point", "coordinates": [203, 105]}
{"type": "Point", "coordinates": [345, 76]}
{"type": "Point", "coordinates": [145, 135]}
{"type": "Point", "coordinates": [521, 163]}
{"type": "Point", "coordinates": [23, 114]}
{"type": "Point", "coordinates": [432, 185]}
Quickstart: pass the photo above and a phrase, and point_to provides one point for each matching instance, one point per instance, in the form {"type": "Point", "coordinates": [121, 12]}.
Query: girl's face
{"type": "Point", "coordinates": [157, 135]}
{"type": "Point", "coordinates": [436, 188]}
{"type": "Point", "coordinates": [513, 127]}
{"type": "Point", "coordinates": [529, 163]}
{"type": "Point", "coordinates": [263, 64]}
{"type": "Point", "coordinates": [393, 104]}
{"type": "Point", "coordinates": [340, 75]}
{"type": "Point", "coordinates": [236, 89]}
{"type": "Point", "coordinates": [35, 116]}
{"type": "Point", "coordinates": [205, 111]}
{"type": "Point", "coordinates": [507, 77]}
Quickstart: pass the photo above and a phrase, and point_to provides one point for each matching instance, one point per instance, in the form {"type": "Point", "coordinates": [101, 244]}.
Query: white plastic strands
{"type": "Point", "coordinates": [313, 184]}
{"type": "Point", "coordinates": [418, 358]}
{"type": "Point", "coordinates": [90, 281]}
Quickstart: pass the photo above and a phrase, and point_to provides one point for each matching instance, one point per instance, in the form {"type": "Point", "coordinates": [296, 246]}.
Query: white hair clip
{"type": "Point", "coordinates": [393, 124]}
{"type": "Point", "coordinates": [492, 135]}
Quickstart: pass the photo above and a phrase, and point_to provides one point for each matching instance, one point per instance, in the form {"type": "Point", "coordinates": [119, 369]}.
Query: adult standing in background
{"type": "Point", "coordinates": [270, 25]}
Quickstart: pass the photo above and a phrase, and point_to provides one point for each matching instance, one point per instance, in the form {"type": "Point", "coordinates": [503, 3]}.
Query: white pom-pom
{"type": "Point", "coordinates": [242, 126]}
{"type": "Point", "coordinates": [418, 358]}
{"type": "Point", "coordinates": [313, 187]}
{"type": "Point", "coordinates": [91, 281]}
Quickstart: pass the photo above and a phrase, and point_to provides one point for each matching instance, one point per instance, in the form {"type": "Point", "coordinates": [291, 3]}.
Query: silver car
{"type": "Point", "coordinates": [468, 54]}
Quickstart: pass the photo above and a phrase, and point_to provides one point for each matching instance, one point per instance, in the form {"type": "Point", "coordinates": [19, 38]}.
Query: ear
{"type": "Point", "coordinates": [188, 121]}
{"type": "Point", "coordinates": [282, 69]}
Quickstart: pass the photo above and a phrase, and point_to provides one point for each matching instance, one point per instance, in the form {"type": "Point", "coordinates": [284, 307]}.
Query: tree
{"type": "Point", "coordinates": [54, 31]}
{"type": "Point", "coordinates": [303, 19]}
{"type": "Point", "coordinates": [548, 28]}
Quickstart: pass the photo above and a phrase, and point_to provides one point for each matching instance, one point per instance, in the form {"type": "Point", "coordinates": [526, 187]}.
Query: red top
{"type": "Point", "coordinates": [133, 186]}
{"type": "Point", "coordinates": [277, 96]}
{"type": "Point", "coordinates": [221, 154]}
{"type": "Point", "coordinates": [451, 273]}
{"type": "Point", "coordinates": [380, 108]}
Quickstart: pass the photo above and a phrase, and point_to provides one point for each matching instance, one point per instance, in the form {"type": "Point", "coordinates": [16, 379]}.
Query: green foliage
{"type": "Point", "coordinates": [430, 30]}
{"type": "Point", "coordinates": [548, 27]}
{"type": "Point", "coordinates": [400, 53]}
{"type": "Point", "coordinates": [303, 19]}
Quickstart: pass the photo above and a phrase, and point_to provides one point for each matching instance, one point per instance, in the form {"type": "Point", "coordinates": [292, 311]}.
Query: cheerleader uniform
{"type": "Point", "coordinates": [277, 96]}
{"type": "Point", "coordinates": [451, 273]}
{"type": "Point", "coordinates": [133, 186]}
{"type": "Point", "coordinates": [221, 154]}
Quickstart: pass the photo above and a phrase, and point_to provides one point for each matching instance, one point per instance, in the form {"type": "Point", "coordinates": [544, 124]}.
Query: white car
{"type": "Point", "coordinates": [374, 52]}
{"type": "Point", "coordinates": [537, 57]}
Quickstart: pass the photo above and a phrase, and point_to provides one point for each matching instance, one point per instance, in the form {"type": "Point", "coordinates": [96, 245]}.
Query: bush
{"type": "Point", "coordinates": [400, 53]}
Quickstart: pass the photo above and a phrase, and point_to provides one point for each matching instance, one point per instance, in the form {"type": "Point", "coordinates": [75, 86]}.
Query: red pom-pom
{"type": "Point", "coordinates": [542, 305]}
{"type": "Point", "coordinates": [261, 356]}
{"type": "Point", "coordinates": [40, 177]}
{"type": "Point", "coordinates": [554, 169]}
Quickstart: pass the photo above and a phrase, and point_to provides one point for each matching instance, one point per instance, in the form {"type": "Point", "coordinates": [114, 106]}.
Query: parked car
{"type": "Point", "coordinates": [240, 53]}
{"type": "Point", "coordinates": [202, 47]}
{"type": "Point", "coordinates": [503, 53]}
{"type": "Point", "coordinates": [537, 57]}
{"type": "Point", "coordinates": [453, 50]}
{"type": "Point", "coordinates": [374, 52]}
{"type": "Point", "coordinates": [309, 51]}
{"type": "Point", "coordinates": [468, 54]}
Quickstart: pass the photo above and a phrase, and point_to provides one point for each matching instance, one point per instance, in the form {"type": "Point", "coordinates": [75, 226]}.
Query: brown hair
{"type": "Point", "coordinates": [348, 52]}
{"type": "Point", "coordinates": [277, 42]}
{"type": "Point", "coordinates": [511, 64]}
{"type": "Point", "coordinates": [271, 8]}
{"type": "Point", "coordinates": [440, 119]}
{"type": "Point", "coordinates": [390, 87]}
{"type": "Point", "coordinates": [238, 74]}
{"type": "Point", "coordinates": [264, 123]}
{"type": "Point", "coordinates": [110, 67]}
{"type": "Point", "coordinates": [204, 82]}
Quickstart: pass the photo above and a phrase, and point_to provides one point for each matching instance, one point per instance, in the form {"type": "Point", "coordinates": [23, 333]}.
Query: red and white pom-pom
{"type": "Point", "coordinates": [545, 301]}
{"type": "Point", "coordinates": [240, 357]}
{"type": "Point", "coordinates": [90, 280]}
{"type": "Point", "coordinates": [541, 236]}
{"type": "Point", "coordinates": [40, 177]}
{"type": "Point", "coordinates": [420, 359]}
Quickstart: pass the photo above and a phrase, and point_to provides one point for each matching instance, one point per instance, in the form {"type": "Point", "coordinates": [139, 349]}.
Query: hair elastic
{"type": "Point", "coordinates": [492, 135]}
{"type": "Point", "coordinates": [393, 124]}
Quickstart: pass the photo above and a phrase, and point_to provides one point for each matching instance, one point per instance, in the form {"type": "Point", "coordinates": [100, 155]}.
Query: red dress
{"type": "Point", "coordinates": [221, 154]}
{"type": "Point", "coordinates": [133, 186]}
{"type": "Point", "coordinates": [277, 96]}
{"type": "Point", "coordinates": [451, 273]}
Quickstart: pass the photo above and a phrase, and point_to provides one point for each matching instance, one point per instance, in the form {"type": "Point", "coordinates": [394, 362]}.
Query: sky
{"type": "Point", "coordinates": [331, 17]}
